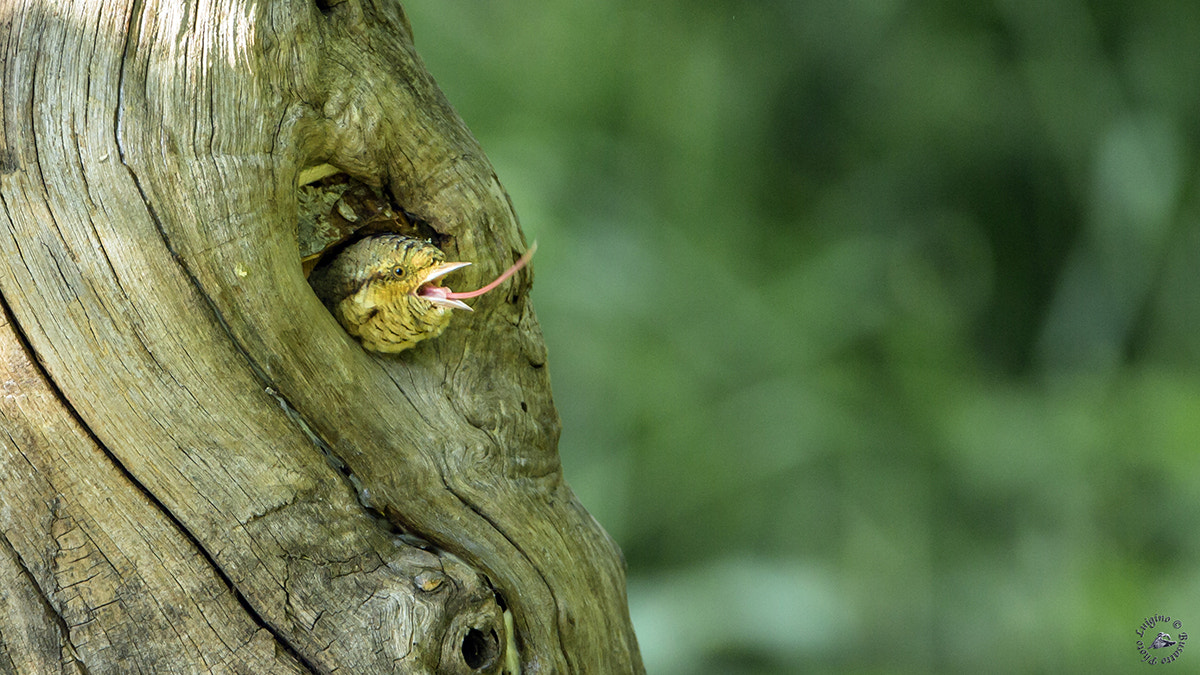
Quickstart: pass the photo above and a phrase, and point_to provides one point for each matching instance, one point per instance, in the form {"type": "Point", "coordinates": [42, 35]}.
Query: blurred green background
{"type": "Point", "coordinates": [874, 325]}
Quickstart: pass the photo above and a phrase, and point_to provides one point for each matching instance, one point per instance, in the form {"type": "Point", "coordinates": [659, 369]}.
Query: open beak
{"type": "Point", "coordinates": [438, 294]}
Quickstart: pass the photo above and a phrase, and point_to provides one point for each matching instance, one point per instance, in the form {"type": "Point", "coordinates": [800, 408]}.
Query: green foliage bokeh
{"type": "Point", "coordinates": [874, 325]}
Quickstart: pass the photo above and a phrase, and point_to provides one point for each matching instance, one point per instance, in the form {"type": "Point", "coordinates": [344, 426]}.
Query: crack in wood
{"type": "Point", "coordinates": [64, 630]}
{"type": "Point", "coordinates": [7, 314]}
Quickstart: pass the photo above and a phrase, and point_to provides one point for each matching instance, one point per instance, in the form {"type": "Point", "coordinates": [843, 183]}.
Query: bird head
{"type": "Point", "coordinates": [386, 290]}
{"type": "Point", "coordinates": [399, 300]}
{"type": "Point", "coordinates": [410, 271]}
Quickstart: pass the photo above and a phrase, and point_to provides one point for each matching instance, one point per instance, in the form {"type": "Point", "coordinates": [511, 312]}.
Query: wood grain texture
{"type": "Point", "coordinates": [148, 257]}
{"type": "Point", "coordinates": [93, 571]}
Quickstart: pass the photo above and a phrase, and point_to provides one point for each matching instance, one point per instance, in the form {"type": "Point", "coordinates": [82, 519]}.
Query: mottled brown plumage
{"type": "Point", "coordinates": [385, 290]}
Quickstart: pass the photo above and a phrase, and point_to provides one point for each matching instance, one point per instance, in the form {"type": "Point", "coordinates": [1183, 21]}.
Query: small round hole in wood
{"type": "Point", "coordinates": [480, 650]}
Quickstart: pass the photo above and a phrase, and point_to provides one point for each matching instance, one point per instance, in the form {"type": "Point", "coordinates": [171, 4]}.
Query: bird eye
{"type": "Point", "coordinates": [399, 272]}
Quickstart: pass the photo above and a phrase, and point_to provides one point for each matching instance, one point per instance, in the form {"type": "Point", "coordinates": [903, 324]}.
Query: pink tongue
{"type": "Point", "coordinates": [435, 292]}
{"type": "Point", "coordinates": [499, 280]}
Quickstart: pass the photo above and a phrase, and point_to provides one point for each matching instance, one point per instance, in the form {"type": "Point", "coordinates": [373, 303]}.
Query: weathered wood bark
{"type": "Point", "coordinates": [199, 470]}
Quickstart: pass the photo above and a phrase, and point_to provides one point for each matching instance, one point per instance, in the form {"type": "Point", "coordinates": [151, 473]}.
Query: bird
{"type": "Point", "coordinates": [386, 290]}
{"type": "Point", "coordinates": [1163, 640]}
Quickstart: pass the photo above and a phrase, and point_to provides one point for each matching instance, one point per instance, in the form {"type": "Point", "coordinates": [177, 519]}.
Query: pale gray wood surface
{"type": "Point", "coordinates": [177, 399]}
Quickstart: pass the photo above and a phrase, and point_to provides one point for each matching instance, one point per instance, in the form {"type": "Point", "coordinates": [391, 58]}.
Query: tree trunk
{"type": "Point", "coordinates": [201, 472]}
